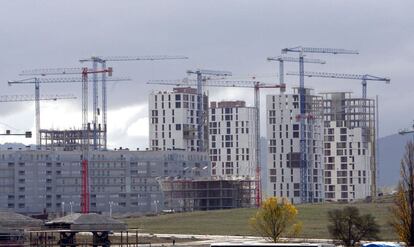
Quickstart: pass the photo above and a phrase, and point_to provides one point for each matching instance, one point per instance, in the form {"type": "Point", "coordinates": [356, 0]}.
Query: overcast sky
{"type": "Point", "coordinates": [223, 35]}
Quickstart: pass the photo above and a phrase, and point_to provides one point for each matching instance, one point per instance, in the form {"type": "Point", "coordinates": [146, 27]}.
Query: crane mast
{"type": "Point", "coordinates": [36, 81]}
{"type": "Point", "coordinates": [364, 79]}
{"type": "Point", "coordinates": [305, 185]}
{"type": "Point", "coordinates": [102, 60]}
{"type": "Point", "coordinates": [200, 73]}
{"type": "Point", "coordinates": [85, 138]}
{"type": "Point", "coordinates": [84, 72]}
{"type": "Point", "coordinates": [104, 106]}
{"type": "Point", "coordinates": [282, 59]}
{"type": "Point", "coordinates": [242, 84]}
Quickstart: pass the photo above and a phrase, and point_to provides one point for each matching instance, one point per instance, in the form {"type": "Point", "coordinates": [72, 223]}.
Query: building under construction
{"type": "Point", "coordinates": [287, 177]}
{"type": "Point", "coordinates": [349, 147]}
{"type": "Point", "coordinates": [71, 140]}
{"type": "Point", "coordinates": [208, 194]}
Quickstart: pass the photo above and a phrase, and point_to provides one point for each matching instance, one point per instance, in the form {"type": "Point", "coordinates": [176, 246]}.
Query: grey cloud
{"type": "Point", "coordinates": [232, 35]}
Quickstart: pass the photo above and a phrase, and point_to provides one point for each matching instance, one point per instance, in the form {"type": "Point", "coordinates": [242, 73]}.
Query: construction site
{"type": "Point", "coordinates": [92, 136]}
{"type": "Point", "coordinates": [208, 194]}
{"type": "Point", "coordinates": [216, 166]}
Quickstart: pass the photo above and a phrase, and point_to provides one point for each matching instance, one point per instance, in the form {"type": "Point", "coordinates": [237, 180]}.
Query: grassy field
{"type": "Point", "coordinates": [235, 221]}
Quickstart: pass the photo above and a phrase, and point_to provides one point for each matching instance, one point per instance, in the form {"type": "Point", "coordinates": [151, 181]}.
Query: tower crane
{"type": "Point", "coordinates": [23, 98]}
{"type": "Point", "coordinates": [364, 78]}
{"type": "Point", "coordinates": [102, 60]}
{"type": "Point", "coordinates": [306, 193]}
{"type": "Point", "coordinates": [36, 81]}
{"type": "Point", "coordinates": [242, 84]}
{"type": "Point", "coordinates": [282, 59]}
{"type": "Point", "coordinates": [407, 131]}
{"type": "Point", "coordinates": [201, 73]}
{"type": "Point", "coordinates": [85, 135]}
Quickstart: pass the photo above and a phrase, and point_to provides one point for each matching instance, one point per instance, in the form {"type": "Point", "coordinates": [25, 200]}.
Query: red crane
{"type": "Point", "coordinates": [85, 138]}
{"type": "Point", "coordinates": [243, 84]}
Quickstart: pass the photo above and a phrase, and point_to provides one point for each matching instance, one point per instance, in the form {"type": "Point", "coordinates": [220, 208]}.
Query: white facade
{"type": "Point", "coordinates": [173, 120]}
{"type": "Point", "coordinates": [232, 139]}
{"type": "Point", "coordinates": [349, 143]}
{"type": "Point", "coordinates": [283, 134]}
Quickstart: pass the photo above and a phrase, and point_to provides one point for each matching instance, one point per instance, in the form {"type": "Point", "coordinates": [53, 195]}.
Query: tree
{"type": "Point", "coordinates": [350, 227]}
{"type": "Point", "coordinates": [403, 209]}
{"type": "Point", "coordinates": [274, 218]}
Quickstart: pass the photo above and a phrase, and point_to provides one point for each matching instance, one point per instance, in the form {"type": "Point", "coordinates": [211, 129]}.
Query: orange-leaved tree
{"type": "Point", "coordinates": [403, 209]}
{"type": "Point", "coordinates": [276, 216]}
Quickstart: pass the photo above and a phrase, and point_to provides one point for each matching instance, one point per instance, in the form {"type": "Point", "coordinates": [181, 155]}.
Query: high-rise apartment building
{"type": "Point", "coordinates": [173, 120]}
{"type": "Point", "coordinates": [349, 147]}
{"type": "Point", "coordinates": [284, 160]}
{"type": "Point", "coordinates": [232, 139]}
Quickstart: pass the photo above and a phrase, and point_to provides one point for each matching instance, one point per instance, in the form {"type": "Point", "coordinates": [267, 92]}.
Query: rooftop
{"type": "Point", "coordinates": [228, 104]}
{"type": "Point", "coordinates": [86, 222]}
{"type": "Point", "coordinates": [18, 221]}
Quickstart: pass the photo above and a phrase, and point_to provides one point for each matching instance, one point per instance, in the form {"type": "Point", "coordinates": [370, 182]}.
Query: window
{"type": "Point", "coordinates": [178, 127]}
{"type": "Point", "coordinates": [296, 127]}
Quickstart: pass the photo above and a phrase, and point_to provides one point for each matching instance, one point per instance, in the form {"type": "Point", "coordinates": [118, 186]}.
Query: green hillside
{"type": "Point", "coordinates": [235, 221]}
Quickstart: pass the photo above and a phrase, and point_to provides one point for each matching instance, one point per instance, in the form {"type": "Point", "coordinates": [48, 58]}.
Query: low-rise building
{"type": "Point", "coordinates": [208, 194]}
{"type": "Point", "coordinates": [32, 181]}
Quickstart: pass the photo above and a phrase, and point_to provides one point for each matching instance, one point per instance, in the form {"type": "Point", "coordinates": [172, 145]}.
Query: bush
{"type": "Point", "coordinates": [348, 226]}
{"type": "Point", "coordinates": [274, 218]}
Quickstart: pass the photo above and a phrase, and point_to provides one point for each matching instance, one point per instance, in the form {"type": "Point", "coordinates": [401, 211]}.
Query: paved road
{"type": "Point", "coordinates": [206, 240]}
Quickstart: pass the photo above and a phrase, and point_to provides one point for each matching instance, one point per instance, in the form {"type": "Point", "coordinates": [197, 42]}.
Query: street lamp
{"type": "Point", "coordinates": [63, 208]}
{"type": "Point", "coordinates": [156, 206]}
{"type": "Point", "coordinates": [111, 203]}
{"type": "Point", "coordinates": [71, 206]}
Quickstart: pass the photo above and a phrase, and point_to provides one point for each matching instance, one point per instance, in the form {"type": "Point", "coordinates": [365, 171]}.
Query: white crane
{"type": "Point", "coordinates": [305, 188]}
{"type": "Point", "coordinates": [103, 60]}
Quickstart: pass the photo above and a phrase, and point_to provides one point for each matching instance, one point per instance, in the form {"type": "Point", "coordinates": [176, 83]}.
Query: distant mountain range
{"type": "Point", "coordinates": [391, 150]}
{"type": "Point", "coordinates": [12, 145]}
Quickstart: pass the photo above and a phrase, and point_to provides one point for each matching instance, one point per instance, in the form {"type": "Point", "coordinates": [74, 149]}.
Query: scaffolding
{"type": "Point", "coordinates": [209, 194]}
{"type": "Point", "coordinates": [351, 112]}
{"type": "Point", "coordinates": [70, 140]}
{"type": "Point", "coordinates": [311, 174]}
